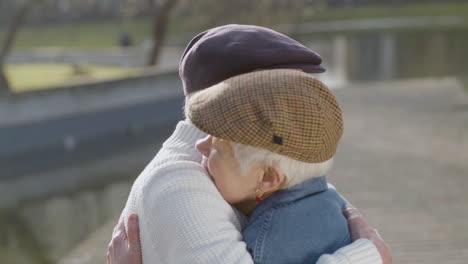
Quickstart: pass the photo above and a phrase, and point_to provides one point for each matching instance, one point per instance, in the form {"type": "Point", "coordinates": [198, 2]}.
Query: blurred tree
{"type": "Point", "coordinates": [128, 9]}
{"type": "Point", "coordinates": [159, 29]}
{"type": "Point", "coordinates": [15, 24]}
{"type": "Point", "coordinates": [4, 85]}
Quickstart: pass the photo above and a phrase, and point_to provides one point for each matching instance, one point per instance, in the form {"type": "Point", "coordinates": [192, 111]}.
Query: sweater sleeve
{"type": "Point", "coordinates": [361, 251]}
{"type": "Point", "coordinates": [189, 222]}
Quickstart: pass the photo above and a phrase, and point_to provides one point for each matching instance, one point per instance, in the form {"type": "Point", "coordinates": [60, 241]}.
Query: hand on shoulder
{"type": "Point", "coordinates": [359, 228]}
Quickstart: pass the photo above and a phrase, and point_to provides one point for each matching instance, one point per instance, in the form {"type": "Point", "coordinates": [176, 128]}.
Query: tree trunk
{"type": "Point", "coordinates": [10, 37]}
{"type": "Point", "coordinates": [160, 22]}
{"type": "Point", "coordinates": [13, 29]}
{"type": "Point", "coordinates": [4, 84]}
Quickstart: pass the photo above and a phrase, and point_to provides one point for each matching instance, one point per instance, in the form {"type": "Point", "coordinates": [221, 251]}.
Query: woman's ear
{"type": "Point", "coordinates": [272, 179]}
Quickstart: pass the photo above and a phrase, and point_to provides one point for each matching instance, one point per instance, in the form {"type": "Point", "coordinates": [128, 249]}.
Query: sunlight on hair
{"type": "Point", "coordinates": [295, 171]}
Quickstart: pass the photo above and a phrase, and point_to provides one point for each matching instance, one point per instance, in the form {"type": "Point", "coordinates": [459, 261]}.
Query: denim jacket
{"type": "Point", "coordinates": [297, 225]}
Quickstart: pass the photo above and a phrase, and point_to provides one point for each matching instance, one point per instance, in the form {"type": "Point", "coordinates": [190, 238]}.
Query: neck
{"type": "Point", "coordinates": [246, 207]}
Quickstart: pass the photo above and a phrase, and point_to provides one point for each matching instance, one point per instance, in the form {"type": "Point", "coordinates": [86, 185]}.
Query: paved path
{"type": "Point", "coordinates": [403, 161]}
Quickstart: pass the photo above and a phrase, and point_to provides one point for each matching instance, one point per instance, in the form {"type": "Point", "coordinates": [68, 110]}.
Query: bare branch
{"type": "Point", "coordinates": [10, 37]}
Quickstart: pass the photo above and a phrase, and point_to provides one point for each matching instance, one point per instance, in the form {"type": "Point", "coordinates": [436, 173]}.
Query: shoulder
{"type": "Point", "coordinates": [315, 222]}
{"type": "Point", "coordinates": [181, 188]}
{"type": "Point", "coordinates": [173, 177]}
{"type": "Point", "coordinates": [255, 234]}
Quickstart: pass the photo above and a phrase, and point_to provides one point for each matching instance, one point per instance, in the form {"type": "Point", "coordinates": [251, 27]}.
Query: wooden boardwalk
{"type": "Point", "coordinates": [403, 161]}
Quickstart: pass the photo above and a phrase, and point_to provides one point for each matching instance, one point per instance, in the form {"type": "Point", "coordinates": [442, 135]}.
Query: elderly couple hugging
{"type": "Point", "coordinates": [242, 179]}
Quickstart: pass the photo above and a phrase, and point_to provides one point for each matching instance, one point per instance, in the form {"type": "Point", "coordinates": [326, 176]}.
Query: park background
{"type": "Point", "coordinates": [89, 90]}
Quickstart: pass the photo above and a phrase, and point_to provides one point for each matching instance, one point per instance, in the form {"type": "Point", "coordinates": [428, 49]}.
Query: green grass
{"type": "Point", "coordinates": [87, 34]}
{"type": "Point", "coordinates": [28, 77]}
{"type": "Point", "coordinates": [91, 35]}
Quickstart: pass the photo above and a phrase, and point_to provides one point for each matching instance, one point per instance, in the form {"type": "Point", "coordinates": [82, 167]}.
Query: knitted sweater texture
{"type": "Point", "coordinates": [184, 219]}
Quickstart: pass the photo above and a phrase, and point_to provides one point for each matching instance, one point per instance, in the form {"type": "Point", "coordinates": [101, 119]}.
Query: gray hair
{"type": "Point", "coordinates": [294, 170]}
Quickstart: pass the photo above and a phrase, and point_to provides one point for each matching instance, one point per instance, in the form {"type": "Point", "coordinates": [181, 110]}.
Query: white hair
{"type": "Point", "coordinates": [294, 170]}
{"type": "Point", "coordinates": [185, 106]}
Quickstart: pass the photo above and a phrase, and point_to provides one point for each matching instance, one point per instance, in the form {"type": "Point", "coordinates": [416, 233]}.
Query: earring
{"type": "Point", "coordinates": [258, 195]}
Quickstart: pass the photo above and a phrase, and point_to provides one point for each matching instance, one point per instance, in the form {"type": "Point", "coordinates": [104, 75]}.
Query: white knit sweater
{"type": "Point", "coordinates": [184, 219]}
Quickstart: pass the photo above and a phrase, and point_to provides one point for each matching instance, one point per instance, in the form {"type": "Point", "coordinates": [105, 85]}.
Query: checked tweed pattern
{"type": "Point", "coordinates": [285, 111]}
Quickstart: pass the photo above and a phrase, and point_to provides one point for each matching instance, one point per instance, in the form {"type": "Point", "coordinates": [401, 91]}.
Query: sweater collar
{"type": "Point", "coordinates": [296, 192]}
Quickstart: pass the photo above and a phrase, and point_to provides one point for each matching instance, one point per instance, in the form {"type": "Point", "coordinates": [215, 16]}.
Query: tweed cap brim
{"type": "Point", "coordinates": [284, 111]}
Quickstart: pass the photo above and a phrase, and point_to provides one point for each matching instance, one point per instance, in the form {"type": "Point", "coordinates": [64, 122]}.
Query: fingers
{"type": "Point", "coordinates": [125, 248]}
{"type": "Point", "coordinates": [118, 241]}
{"type": "Point", "coordinates": [119, 230]}
{"type": "Point", "coordinates": [358, 226]}
{"type": "Point", "coordinates": [118, 225]}
{"type": "Point", "coordinates": [134, 246]}
{"type": "Point", "coordinates": [351, 212]}
{"type": "Point", "coordinates": [117, 244]}
{"type": "Point", "coordinates": [133, 230]}
{"type": "Point", "coordinates": [377, 233]}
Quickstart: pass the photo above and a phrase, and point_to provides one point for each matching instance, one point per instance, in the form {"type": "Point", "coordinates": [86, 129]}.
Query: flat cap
{"type": "Point", "coordinates": [284, 111]}
{"type": "Point", "coordinates": [223, 52]}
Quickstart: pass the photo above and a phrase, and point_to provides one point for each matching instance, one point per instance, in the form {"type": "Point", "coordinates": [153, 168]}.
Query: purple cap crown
{"type": "Point", "coordinates": [223, 52]}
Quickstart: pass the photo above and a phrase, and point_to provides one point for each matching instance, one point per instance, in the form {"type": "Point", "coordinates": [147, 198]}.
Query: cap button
{"type": "Point", "coordinates": [277, 140]}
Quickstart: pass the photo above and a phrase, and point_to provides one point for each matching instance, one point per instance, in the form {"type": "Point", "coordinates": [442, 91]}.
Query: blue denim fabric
{"type": "Point", "coordinates": [297, 225]}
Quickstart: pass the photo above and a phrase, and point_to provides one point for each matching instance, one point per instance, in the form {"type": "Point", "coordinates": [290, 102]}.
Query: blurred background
{"type": "Point", "coordinates": [89, 90]}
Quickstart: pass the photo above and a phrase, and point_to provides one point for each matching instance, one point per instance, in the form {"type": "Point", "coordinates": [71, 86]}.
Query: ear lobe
{"type": "Point", "coordinates": [272, 179]}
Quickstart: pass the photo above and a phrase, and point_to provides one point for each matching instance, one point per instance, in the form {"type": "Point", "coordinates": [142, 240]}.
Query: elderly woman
{"type": "Point", "coordinates": [272, 136]}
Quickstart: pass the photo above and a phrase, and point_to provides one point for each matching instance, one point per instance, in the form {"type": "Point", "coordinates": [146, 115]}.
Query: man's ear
{"type": "Point", "coordinates": [272, 180]}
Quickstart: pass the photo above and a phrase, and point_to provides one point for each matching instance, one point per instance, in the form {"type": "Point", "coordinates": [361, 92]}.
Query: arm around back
{"type": "Point", "coordinates": [127, 251]}
{"type": "Point", "coordinates": [361, 251]}
{"type": "Point", "coordinates": [183, 219]}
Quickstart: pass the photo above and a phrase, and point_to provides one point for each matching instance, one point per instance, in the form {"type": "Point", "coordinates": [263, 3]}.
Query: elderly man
{"type": "Point", "coordinates": [182, 216]}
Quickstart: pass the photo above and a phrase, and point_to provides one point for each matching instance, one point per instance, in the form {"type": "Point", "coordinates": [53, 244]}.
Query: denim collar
{"type": "Point", "coordinates": [296, 192]}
